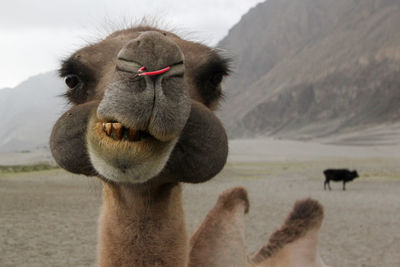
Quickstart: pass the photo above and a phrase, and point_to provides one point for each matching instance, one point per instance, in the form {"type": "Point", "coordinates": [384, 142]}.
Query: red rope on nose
{"type": "Point", "coordinates": [150, 73]}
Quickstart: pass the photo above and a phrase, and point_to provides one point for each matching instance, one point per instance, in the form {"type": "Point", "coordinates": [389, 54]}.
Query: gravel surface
{"type": "Point", "coordinates": [49, 218]}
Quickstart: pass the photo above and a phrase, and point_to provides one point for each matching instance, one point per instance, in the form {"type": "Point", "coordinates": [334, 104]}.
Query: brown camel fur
{"type": "Point", "coordinates": [219, 240]}
{"type": "Point", "coordinates": [142, 121]}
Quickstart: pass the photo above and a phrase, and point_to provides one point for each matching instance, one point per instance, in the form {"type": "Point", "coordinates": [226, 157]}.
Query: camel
{"type": "Point", "coordinates": [142, 121]}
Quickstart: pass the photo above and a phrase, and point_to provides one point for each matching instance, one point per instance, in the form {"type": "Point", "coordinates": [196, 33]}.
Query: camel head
{"type": "Point", "coordinates": [142, 109]}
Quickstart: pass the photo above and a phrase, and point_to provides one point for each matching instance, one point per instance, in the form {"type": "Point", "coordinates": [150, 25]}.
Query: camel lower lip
{"type": "Point", "coordinates": [118, 132]}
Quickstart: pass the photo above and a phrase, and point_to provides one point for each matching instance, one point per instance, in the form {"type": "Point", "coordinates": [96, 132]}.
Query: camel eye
{"type": "Point", "coordinates": [216, 79]}
{"type": "Point", "coordinates": [72, 81]}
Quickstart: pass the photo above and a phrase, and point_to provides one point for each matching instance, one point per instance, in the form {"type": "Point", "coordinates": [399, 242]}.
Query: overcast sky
{"type": "Point", "coordinates": [36, 34]}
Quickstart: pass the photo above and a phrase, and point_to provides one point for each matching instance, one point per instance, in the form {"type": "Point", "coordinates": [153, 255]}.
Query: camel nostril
{"type": "Point", "coordinates": [153, 79]}
{"type": "Point", "coordinates": [151, 49]}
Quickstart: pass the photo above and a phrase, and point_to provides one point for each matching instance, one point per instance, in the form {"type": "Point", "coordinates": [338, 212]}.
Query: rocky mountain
{"type": "Point", "coordinates": [309, 69]}
{"type": "Point", "coordinates": [304, 69]}
{"type": "Point", "coordinates": [28, 112]}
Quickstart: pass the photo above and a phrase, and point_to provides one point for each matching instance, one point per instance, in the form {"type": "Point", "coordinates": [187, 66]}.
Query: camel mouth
{"type": "Point", "coordinates": [118, 132]}
{"type": "Point", "coordinates": [123, 154]}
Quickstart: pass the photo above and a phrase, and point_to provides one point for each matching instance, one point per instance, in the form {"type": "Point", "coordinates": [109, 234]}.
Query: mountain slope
{"type": "Point", "coordinates": [305, 69]}
{"type": "Point", "coordinates": [29, 111]}
{"type": "Point", "coordinates": [312, 68]}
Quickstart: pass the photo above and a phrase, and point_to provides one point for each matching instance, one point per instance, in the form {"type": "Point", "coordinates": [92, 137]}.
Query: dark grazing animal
{"type": "Point", "coordinates": [339, 175]}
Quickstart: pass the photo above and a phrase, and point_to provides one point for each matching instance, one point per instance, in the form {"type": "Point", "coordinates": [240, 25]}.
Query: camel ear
{"type": "Point", "coordinates": [296, 243]}
{"type": "Point", "coordinates": [68, 140]}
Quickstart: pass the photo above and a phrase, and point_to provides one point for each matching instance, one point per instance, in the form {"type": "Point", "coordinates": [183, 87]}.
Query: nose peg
{"type": "Point", "coordinates": [150, 49]}
{"type": "Point", "coordinates": [142, 72]}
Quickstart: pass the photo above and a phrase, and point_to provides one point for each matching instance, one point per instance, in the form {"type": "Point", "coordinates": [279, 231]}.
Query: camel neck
{"type": "Point", "coordinates": [142, 225]}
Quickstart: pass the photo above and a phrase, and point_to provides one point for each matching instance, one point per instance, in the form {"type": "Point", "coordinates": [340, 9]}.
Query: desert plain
{"type": "Point", "coordinates": [49, 218]}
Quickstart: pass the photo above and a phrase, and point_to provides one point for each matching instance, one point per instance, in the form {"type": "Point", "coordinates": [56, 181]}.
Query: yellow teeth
{"type": "Point", "coordinates": [107, 127]}
{"type": "Point", "coordinates": [118, 132]}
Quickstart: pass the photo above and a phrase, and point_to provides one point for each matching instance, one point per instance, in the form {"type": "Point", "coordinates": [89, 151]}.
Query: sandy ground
{"type": "Point", "coordinates": [26, 158]}
{"type": "Point", "coordinates": [49, 218]}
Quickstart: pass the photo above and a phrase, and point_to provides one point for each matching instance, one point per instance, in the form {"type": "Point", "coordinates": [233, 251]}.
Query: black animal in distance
{"type": "Point", "coordinates": [337, 175]}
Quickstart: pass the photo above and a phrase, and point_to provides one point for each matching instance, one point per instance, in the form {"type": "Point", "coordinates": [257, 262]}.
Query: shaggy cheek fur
{"type": "Point", "coordinates": [124, 161]}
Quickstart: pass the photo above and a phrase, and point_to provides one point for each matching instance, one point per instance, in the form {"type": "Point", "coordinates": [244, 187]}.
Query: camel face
{"type": "Point", "coordinates": [149, 112]}
{"type": "Point", "coordinates": [139, 97]}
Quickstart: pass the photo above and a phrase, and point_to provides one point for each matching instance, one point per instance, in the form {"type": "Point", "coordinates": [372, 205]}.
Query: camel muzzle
{"type": "Point", "coordinates": [147, 92]}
